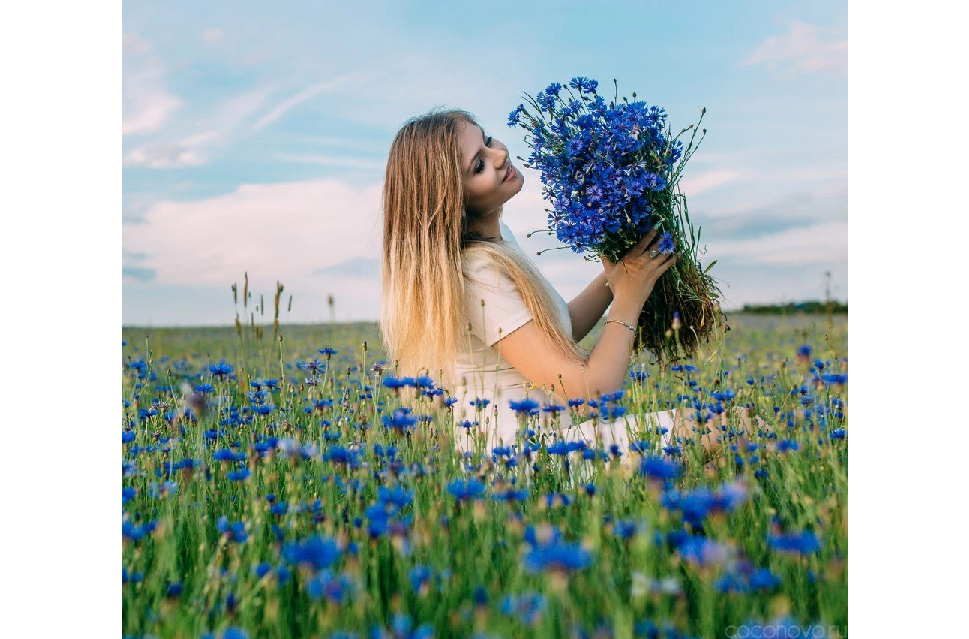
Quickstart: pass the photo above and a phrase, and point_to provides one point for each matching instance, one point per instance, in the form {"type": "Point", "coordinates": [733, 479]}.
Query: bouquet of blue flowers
{"type": "Point", "coordinates": [611, 172]}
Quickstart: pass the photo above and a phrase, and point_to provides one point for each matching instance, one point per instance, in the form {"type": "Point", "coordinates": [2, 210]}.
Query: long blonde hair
{"type": "Point", "coordinates": [427, 243]}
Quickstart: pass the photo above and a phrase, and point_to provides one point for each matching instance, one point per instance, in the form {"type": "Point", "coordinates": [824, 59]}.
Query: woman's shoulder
{"type": "Point", "coordinates": [477, 260]}
{"type": "Point", "coordinates": [508, 236]}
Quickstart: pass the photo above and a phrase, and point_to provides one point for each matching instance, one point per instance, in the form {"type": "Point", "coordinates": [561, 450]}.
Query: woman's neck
{"type": "Point", "coordinates": [489, 227]}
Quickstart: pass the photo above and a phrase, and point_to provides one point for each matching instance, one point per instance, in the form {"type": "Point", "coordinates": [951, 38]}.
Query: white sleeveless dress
{"type": "Point", "coordinates": [482, 374]}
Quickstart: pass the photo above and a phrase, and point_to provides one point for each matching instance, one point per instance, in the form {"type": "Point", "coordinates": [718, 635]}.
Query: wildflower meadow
{"type": "Point", "coordinates": [283, 481]}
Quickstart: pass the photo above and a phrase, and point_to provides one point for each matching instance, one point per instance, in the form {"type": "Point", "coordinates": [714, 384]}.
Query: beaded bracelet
{"type": "Point", "coordinates": [623, 323]}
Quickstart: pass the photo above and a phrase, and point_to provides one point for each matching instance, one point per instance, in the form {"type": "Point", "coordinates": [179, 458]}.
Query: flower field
{"type": "Point", "coordinates": [291, 486]}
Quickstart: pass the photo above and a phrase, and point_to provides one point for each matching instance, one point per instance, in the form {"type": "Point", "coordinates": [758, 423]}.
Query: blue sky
{"type": "Point", "coordinates": [254, 137]}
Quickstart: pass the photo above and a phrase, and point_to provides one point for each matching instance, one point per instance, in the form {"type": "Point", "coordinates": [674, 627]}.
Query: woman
{"type": "Point", "coordinates": [462, 302]}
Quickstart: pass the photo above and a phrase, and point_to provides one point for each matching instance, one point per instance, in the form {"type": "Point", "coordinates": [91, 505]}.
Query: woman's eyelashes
{"type": "Point", "coordinates": [480, 166]}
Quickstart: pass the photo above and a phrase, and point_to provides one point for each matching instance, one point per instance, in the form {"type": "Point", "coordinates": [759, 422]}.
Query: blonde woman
{"type": "Point", "coordinates": [463, 303]}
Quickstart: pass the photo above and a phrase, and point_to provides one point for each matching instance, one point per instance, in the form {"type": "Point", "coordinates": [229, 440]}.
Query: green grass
{"type": "Point", "coordinates": [475, 551]}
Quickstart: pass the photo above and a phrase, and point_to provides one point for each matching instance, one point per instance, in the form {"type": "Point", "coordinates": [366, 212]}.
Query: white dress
{"type": "Point", "coordinates": [483, 374]}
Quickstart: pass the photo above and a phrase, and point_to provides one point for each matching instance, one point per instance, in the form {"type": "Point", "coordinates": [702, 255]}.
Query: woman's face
{"type": "Point", "coordinates": [489, 178]}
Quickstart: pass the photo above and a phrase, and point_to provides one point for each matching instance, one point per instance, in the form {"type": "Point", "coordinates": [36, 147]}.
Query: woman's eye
{"type": "Point", "coordinates": [480, 166]}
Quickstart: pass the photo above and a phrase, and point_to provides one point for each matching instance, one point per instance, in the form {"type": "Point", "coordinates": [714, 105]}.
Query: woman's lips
{"type": "Point", "coordinates": [509, 172]}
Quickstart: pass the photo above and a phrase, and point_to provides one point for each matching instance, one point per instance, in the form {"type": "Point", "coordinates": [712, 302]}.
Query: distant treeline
{"type": "Point", "coordinates": [808, 308]}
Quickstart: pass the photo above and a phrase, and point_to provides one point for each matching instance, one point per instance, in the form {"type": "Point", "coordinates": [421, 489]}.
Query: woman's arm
{"type": "Point", "coordinates": [587, 308]}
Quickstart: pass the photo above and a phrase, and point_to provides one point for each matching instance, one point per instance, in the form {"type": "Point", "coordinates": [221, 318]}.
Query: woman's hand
{"type": "Point", "coordinates": [632, 278]}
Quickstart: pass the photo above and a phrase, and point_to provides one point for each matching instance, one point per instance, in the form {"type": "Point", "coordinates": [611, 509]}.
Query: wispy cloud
{"type": "Point", "coordinates": [303, 96]}
{"type": "Point", "coordinates": [146, 105]}
{"type": "Point", "coordinates": [804, 48]}
{"type": "Point", "coordinates": [329, 160]}
{"type": "Point", "coordinates": [194, 149]}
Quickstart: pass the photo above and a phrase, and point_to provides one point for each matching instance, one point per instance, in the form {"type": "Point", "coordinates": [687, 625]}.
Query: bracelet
{"type": "Point", "coordinates": [623, 323]}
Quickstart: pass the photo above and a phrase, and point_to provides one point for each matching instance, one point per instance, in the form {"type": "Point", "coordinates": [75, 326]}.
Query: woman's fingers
{"type": "Point", "coordinates": [643, 242]}
{"type": "Point", "coordinates": [667, 263]}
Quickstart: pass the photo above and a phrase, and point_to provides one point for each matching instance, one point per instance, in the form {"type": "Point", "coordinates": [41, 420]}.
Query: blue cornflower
{"type": "Point", "coordinates": [786, 445]}
{"type": "Point", "coordinates": [228, 455]}
{"type": "Point", "coordinates": [419, 577]}
{"type": "Point", "coordinates": [659, 468]}
{"type": "Point", "coordinates": [401, 419]}
{"type": "Point", "coordinates": [626, 529]}
{"type": "Point", "coordinates": [240, 474]}
{"type": "Point", "coordinates": [731, 582]}
{"type": "Point", "coordinates": [702, 551]}
{"type": "Point", "coordinates": [502, 451]}
{"type": "Point", "coordinates": [612, 397]}
{"type": "Point", "coordinates": [333, 588]}
{"type": "Point", "coordinates": [526, 405]}
{"type": "Point", "coordinates": [557, 556]}
{"type": "Point", "coordinates": [512, 495]}
{"type": "Point", "coordinates": [162, 490]}
{"type": "Point", "coordinates": [803, 543]}
{"type": "Point", "coordinates": [583, 84]}
{"type": "Point", "coordinates": [515, 116]}
{"type": "Point", "coordinates": [400, 625]}
{"type": "Point", "coordinates": [341, 455]}
{"type": "Point", "coordinates": [613, 412]}
{"type": "Point", "coordinates": [133, 577]}
{"type": "Point", "coordinates": [839, 433]}
{"type": "Point", "coordinates": [528, 608]}
{"type": "Point", "coordinates": [392, 382]}
{"type": "Point", "coordinates": [466, 490]}
{"type": "Point", "coordinates": [135, 532]}
{"type": "Point", "coordinates": [552, 499]}
{"type": "Point", "coordinates": [236, 531]}
{"type": "Point", "coordinates": [665, 244]}
{"type": "Point", "coordinates": [764, 578]}
{"type": "Point", "coordinates": [562, 447]}
{"type": "Point", "coordinates": [835, 378]}
{"type": "Point", "coordinates": [478, 402]}
{"type": "Point", "coordinates": [282, 574]}
{"type": "Point", "coordinates": [398, 497]}
{"type": "Point", "coordinates": [221, 369]}
{"type": "Point", "coordinates": [316, 551]}
{"type": "Point", "coordinates": [229, 633]}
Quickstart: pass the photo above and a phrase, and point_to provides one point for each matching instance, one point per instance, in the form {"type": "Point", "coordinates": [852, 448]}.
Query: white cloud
{"type": "Point", "coordinates": [710, 180]}
{"type": "Point", "coordinates": [146, 105]}
{"type": "Point", "coordinates": [805, 48]}
{"type": "Point", "coordinates": [274, 232]}
{"type": "Point", "coordinates": [816, 244]}
{"type": "Point", "coordinates": [212, 36]}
